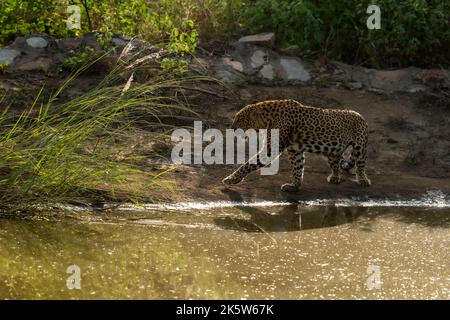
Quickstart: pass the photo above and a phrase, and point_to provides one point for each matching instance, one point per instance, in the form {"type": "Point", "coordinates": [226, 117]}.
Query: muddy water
{"type": "Point", "coordinates": [272, 251]}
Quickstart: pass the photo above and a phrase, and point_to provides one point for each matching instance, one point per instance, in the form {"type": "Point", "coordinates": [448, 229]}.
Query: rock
{"type": "Point", "coordinates": [228, 76]}
{"type": "Point", "coordinates": [258, 59]}
{"type": "Point", "coordinates": [354, 85]}
{"type": "Point", "coordinates": [434, 78]}
{"type": "Point", "coordinates": [262, 39]}
{"type": "Point", "coordinates": [126, 38]}
{"type": "Point", "coordinates": [68, 44]}
{"type": "Point", "coordinates": [39, 64]}
{"type": "Point", "coordinates": [294, 69]}
{"type": "Point", "coordinates": [119, 42]}
{"type": "Point", "coordinates": [267, 72]}
{"type": "Point", "coordinates": [416, 88]}
{"type": "Point", "coordinates": [392, 80]}
{"type": "Point", "coordinates": [236, 65]}
{"type": "Point", "coordinates": [381, 81]}
{"type": "Point", "coordinates": [291, 51]}
{"type": "Point", "coordinates": [347, 73]}
{"type": "Point", "coordinates": [37, 42]}
{"type": "Point", "coordinates": [267, 64]}
{"type": "Point", "coordinates": [8, 55]}
{"type": "Point", "coordinates": [90, 40]}
{"type": "Point", "coordinates": [433, 75]}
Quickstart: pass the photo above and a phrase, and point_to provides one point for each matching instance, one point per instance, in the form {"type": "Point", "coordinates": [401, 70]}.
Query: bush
{"type": "Point", "coordinates": [148, 19]}
{"type": "Point", "coordinates": [19, 17]}
{"type": "Point", "coordinates": [413, 32]}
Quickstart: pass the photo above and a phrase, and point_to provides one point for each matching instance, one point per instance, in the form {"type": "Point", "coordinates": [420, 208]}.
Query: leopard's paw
{"type": "Point", "coordinates": [289, 187]}
{"type": "Point", "coordinates": [334, 179]}
{"type": "Point", "coordinates": [364, 182]}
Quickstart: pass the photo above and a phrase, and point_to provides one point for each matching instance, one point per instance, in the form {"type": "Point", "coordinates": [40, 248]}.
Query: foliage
{"type": "Point", "coordinates": [413, 32]}
{"type": "Point", "coordinates": [181, 46]}
{"type": "Point", "coordinates": [147, 19]}
{"type": "Point", "coordinates": [104, 39]}
{"type": "Point", "coordinates": [21, 17]}
{"type": "Point", "coordinates": [77, 59]}
{"type": "Point", "coordinates": [4, 67]}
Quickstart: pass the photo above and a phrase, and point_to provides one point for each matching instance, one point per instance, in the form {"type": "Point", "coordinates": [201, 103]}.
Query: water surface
{"type": "Point", "coordinates": [278, 251]}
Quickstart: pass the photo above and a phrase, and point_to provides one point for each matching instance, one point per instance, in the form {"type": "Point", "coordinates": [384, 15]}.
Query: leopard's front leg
{"type": "Point", "coordinates": [297, 162]}
{"type": "Point", "coordinates": [252, 165]}
{"type": "Point", "coordinates": [243, 171]}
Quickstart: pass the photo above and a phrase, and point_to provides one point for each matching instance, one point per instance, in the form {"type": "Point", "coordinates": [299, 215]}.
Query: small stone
{"type": "Point", "coordinates": [236, 65]}
{"type": "Point", "coordinates": [355, 85]}
{"type": "Point", "coordinates": [37, 42]}
{"type": "Point", "coordinates": [416, 88]}
{"type": "Point", "coordinates": [8, 55]}
{"type": "Point", "coordinates": [262, 39]}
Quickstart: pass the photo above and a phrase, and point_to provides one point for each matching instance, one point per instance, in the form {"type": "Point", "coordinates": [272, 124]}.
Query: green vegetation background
{"type": "Point", "coordinates": [413, 32]}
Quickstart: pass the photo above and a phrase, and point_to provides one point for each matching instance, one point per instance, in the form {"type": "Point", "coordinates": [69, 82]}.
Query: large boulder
{"type": "Point", "coordinates": [262, 39]}
{"type": "Point", "coordinates": [266, 64]}
{"type": "Point", "coordinates": [401, 80]}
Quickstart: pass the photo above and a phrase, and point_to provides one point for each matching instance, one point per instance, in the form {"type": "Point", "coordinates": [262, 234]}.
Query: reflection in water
{"type": "Point", "coordinates": [290, 251]}
{"type": "Point", "coordinates": [290, 218]}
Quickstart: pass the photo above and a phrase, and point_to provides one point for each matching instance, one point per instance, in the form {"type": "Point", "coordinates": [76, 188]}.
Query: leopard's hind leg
{"type": "Point", "coordinates": [334, 162]}
{"type": "Point", "coordinates": [358, 159]}
{"type": "Point", "coordinates": [361, 175]}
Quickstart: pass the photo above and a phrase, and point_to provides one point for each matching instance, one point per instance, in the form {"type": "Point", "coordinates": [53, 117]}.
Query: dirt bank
{"type": "Point", "coordinates": [409, 148]}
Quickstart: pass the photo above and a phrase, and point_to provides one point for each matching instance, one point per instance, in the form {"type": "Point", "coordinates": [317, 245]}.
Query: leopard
{"type": "Point", "coordinates": [306, 129]}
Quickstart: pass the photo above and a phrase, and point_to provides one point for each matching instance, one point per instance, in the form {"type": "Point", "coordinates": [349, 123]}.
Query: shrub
{"type": "Point", "coordinates": [413, 32]}
{"type": "Point", "coordinates": [148, 19]}
{"type": "Point", "coordinates": [21, 17]}
{"type": "Point", "coordinates": [182, 46]}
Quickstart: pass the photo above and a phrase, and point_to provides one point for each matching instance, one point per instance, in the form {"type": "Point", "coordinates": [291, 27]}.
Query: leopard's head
{"type": "Point", "coordinates": [249, 118]}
